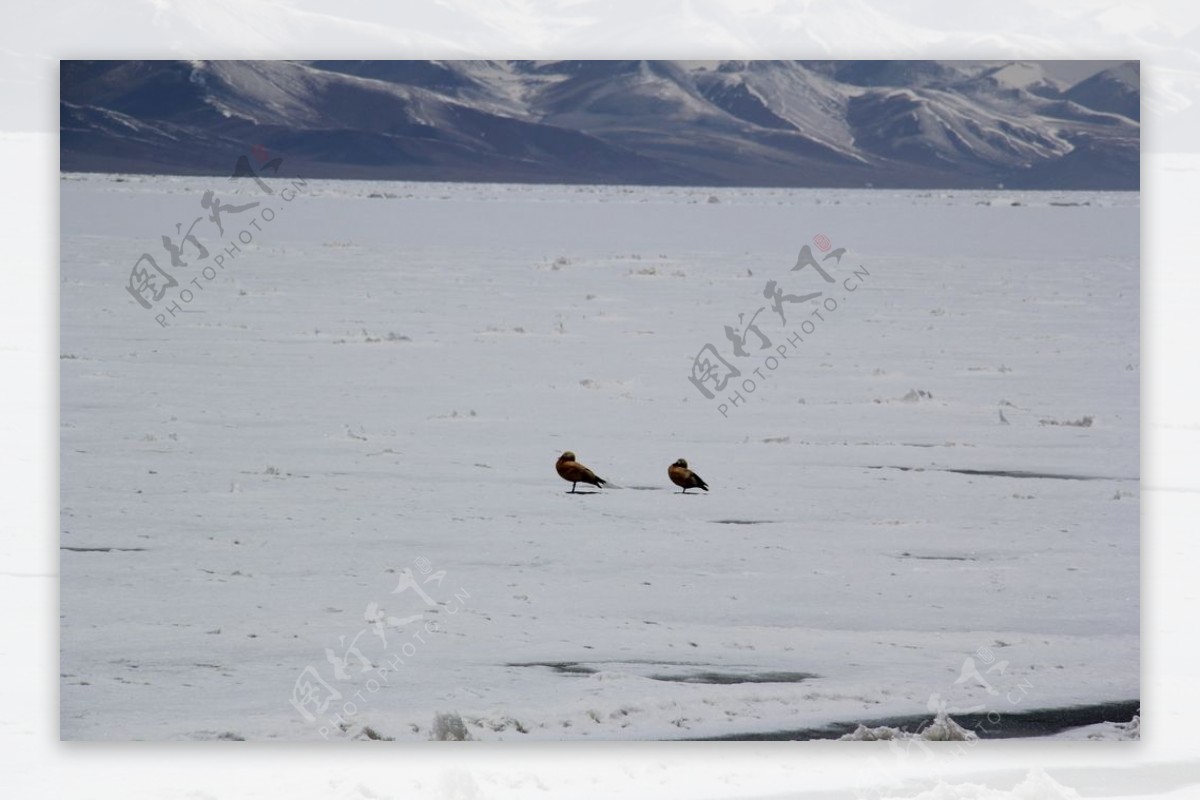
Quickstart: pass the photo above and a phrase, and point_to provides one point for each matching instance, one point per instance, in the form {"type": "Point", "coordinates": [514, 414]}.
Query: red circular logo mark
{"type": "Point", "coordinates": [822, 242]}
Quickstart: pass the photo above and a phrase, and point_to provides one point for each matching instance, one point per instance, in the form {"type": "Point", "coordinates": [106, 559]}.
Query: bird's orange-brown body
{"type": "Point", "coordinates": [573, 471]}
{"type": "Point", "coordinates": [681, 476]}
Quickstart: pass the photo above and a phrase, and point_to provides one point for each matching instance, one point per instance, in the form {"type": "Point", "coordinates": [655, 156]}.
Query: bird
{"type": "Point", "coordinates": [683, 477]}
{"type": "Point", "coordinates": [573, 471]}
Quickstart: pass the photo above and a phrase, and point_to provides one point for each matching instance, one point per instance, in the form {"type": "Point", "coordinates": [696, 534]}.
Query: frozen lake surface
{"type": "Point", "coordinates": [321, 498]}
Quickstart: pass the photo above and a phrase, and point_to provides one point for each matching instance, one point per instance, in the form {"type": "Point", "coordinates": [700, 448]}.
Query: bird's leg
{"type": "Point", "coordinates": [573, 486]}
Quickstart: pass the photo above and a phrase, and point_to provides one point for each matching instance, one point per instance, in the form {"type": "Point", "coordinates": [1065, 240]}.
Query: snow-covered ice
{"type": "Point", "coordinates": [327, 486]}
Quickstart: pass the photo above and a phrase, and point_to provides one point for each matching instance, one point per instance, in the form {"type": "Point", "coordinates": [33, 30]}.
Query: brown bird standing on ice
{"type": "Point", "coordinates": [685, 478]}
{"type": "Point", "coordinates": [574, 472]}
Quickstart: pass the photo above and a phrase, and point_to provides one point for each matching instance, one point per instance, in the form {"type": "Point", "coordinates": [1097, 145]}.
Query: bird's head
{"type": "Point", "coordinates": [568, 456]}
{"type": "Point", "coordinates": [680, 463]}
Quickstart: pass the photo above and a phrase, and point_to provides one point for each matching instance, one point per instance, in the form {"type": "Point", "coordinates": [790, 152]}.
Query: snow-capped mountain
{"type": "Point", "coordinates": [1115, 90]}
{"type": "Point", "coordinates": [751, 123]}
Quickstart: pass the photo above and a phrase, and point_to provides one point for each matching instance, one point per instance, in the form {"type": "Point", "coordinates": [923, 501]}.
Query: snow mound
{"type": "Point", "coordinates": [1036, 784]}
{"type": "Point", "coordinates": [943, 729]}
{"type": "Point", "coordinates": [449, 726]}
{"type": "Point", "coordinates": [1107, 731]}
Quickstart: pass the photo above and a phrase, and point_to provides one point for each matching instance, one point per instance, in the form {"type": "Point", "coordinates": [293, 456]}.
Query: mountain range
{"type": "Point", "coordinates": [910, 124]}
